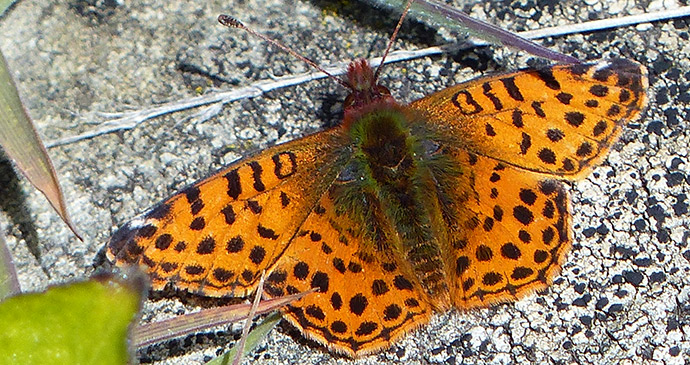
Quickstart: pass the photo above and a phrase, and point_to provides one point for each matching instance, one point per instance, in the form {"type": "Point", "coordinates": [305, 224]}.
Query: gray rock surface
{"type": "Point", "coordinates": [623, 294]}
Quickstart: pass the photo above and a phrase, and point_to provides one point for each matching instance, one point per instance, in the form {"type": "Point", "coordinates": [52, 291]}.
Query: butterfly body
{"type": "Point", "coordinates": [402, 210]}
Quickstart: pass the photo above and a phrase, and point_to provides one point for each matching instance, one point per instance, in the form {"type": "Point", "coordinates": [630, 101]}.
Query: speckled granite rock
{"type": "Point", "coordinates": [623, 294]}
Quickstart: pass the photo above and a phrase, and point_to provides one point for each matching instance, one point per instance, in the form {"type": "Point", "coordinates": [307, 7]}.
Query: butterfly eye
{"type": "Point", "coordinates": [382, 90]}
{"type": "Point", "coordinates": [349, 101]}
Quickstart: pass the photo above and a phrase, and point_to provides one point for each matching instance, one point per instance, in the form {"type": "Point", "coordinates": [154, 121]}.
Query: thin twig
{"type": "Point", "coordinates": [130, 120]}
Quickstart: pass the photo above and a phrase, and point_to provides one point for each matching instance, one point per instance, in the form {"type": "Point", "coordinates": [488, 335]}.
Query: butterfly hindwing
{"type": "Point", "coordinates": [509, 231]}
{"type": "Point", "coordinates": [363, 302]}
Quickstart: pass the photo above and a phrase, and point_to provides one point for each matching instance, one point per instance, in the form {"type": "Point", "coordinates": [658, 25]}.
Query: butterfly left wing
{"type": "Point", "coordinates": [559, 120]}
{"type": "Point", "coordinates": [216, 236]}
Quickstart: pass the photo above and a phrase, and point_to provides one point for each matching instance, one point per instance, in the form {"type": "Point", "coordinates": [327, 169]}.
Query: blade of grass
{"type": "Point", "coordinates": [248, 321]}
{"type": "Point", "coordinates": [438, 14]}
{"type": "Point", "coordinates": [254, 337]}
{"type": "Point", "coordinates": [4, 5]}
{"type": "Point", "coordinates": [149, 334]}
{"type": "Point", "coordinates": [22, 144]}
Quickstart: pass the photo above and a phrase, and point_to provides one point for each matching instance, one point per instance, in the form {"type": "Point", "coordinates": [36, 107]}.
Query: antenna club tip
{"type": "Point", "coordinates": [229, 21]}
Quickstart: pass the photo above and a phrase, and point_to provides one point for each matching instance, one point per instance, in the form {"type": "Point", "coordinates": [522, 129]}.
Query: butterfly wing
{"type": "Point", "coordinates": [508, 222]}
{"type": "Point", "coordinates": [558, 120]}
{"type": "Point", "coordinates": [216, 236]}
{"type": "Point", "coordinates": [364, 301]}
{"type": "Point", "coordinates": [508, 230]}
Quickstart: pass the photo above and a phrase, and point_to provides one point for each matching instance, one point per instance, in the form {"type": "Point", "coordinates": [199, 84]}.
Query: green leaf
{"type": "Point", "coordinates": [82, 323]}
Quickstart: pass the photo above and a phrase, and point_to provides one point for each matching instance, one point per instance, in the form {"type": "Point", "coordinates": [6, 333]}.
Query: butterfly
{"type": "Point", "coordinates": [452, 201]}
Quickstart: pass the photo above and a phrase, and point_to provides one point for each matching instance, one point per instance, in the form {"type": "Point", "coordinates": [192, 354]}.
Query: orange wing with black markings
{"type": "Point", "coordinates": [364, 302]}
{"type": "Point", "coordinates": [215, 237]}
{"type": "Point", "coordinates": [453, 200]}
{"type": "Point", "coordinates": [509, 234]}
{"type": "Point", "coordinates": [512, 135]}
{"type": "Point", "coordinates": [558, 120]}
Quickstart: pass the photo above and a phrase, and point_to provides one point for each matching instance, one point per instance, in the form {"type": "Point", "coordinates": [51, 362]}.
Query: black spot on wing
{"type": "Point", "coordinates": [206, 246]}
{"type": "Point", "coordinates": [599, 90]}
{"type": "Point", "coordinates": [555, 134]}
{"type": "Point", "coordinates": [257, 254]}
{"type": "Point", "coordinates": [536, 106]}
{"type": "Point", "coordinates": [358, 304]}
{"type": "Point", "coordinates": [512, 89]}
{"type": "Point", "coordinates": [574, 118]}
{"type": "Point", "coordinates": [517, 118]}
{"type": "Point", "coordinates": [486, 88]}
{"type": "Point", "coordinates": [163, 241]}
{"type": "Point", "coordinates": [285, 164]}
{"type": "Point", "coordinates": [266, 232]}
{"type": "Point", "coordinates": [462, 99]}
{"type": "Point", "coordinates": [257, 170]}
{"type": "Point", "coordinates": [234, 184]}
{"type": "Point", "coordinates": [525, 143]}
{"type": "Point", "coordinates": [564, 98]}
{"type": "Point", "coordinates": [229, 214]}
{"type": "Point", "coordinates": [546, 75]}
{"type": "Point", "coordinates": [235, 244]}
{"type": "Point", "coordinates": [159, 212]}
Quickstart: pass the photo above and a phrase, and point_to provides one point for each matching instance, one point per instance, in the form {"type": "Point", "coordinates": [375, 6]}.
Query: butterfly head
{"type": "Point", "coordinates": [365, 92]}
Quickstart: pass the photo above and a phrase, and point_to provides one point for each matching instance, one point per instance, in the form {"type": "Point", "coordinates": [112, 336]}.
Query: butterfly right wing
{"type": "Point", "coordinates": [216, 236]}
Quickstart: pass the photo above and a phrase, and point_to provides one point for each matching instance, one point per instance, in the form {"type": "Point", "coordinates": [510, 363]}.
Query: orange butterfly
{"type": "Point", "coordinates": [450, 201]}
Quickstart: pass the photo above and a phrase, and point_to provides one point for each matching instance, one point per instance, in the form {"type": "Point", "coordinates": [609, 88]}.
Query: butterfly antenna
{"type": "Point", "coordinates": [393, 37]}
{"type": "Point", "coordinates": [231, 22]}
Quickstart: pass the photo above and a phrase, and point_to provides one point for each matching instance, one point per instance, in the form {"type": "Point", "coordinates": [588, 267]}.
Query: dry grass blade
{"type": "Point", "coordinates": [19, 140]}
{"type": "Point", "coordinates": [439, 14]}
{"type": "Point", "coordinates": [152, 333]}
{"type": "Point", "coordinates": [248, 322]}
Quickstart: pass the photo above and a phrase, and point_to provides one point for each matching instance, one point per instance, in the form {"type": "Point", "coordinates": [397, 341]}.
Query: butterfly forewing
{"type": "Point", "coordinates": [216, 236]}
{"type": "Point", "coordinates": [558, 120]}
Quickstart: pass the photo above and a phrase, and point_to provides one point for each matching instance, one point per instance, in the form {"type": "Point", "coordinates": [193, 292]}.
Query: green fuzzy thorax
{"type": "Point", "coordinates": [382, 138]}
